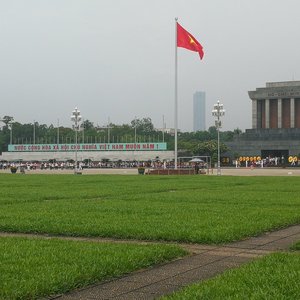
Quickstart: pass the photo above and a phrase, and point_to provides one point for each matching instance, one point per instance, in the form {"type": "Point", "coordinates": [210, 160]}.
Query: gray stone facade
{"type": "Point", "coordinates": [259, 142]}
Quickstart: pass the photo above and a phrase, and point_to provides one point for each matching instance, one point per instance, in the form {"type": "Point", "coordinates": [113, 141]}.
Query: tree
{"type": "Point", "coordinates": [6, 120]}
{"type": "Point", "coordinates": [213, 131]}
{"type": "Point", "coordinates": [87, 125]}
{"type": "Point", "coordinates": [143, 126]}
{"type": "Point", "coordinates": [210, 148]}
{"type": "Point", "coordinates": [237, 131]}
{"type": "Point", "coordinates": [192, 143]}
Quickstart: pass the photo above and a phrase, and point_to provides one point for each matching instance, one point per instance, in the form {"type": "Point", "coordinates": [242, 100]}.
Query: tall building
{"type": "Point", "coordinates": [199, 111]}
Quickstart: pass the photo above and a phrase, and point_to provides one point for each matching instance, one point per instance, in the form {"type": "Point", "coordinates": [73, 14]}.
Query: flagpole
{"type": "Point", "coordinates": [176, 99]}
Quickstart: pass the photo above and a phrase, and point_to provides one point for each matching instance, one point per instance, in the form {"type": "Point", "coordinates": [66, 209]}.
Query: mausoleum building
{"type": "Point", "coordinates": [276, 106]}
{"type": "Point", "coordinates": [275, 122]}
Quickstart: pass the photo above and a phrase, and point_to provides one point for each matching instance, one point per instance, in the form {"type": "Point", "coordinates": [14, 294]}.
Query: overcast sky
{"type": "Point", "coordinates": [114, 59]}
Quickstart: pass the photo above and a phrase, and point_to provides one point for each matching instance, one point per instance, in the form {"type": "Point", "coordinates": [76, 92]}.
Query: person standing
{"type": "Point", "coordinates": [196, 168]}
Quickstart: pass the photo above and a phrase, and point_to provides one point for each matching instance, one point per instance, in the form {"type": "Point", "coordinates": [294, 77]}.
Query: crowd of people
{"type": "Point", "coordinates": [56, 165]}
{"type": "Point", "coordinates": [62, 165]}
{"type": "Point", "coordinates": [154, 164]}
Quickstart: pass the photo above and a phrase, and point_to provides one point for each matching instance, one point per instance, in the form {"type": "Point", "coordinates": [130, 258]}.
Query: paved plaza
{"type": "Point", "coordinates": [205, 262]}
{"type": "Point", "coordinates": [133, 171]}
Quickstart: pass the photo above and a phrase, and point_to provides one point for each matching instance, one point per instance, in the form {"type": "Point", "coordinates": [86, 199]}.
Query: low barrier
{"type": "Point", "coordinates": [174, 172]}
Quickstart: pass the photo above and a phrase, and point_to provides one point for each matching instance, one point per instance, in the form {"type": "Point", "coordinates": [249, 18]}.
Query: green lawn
{"type": "Point", "coordinates": [296, 246]}
{"type": "Point", "coordinates": [199, 209]}
{"type": "Point", "coordinates": [31, 268]}
{"type": "Point", "coordinates": [275, 277]}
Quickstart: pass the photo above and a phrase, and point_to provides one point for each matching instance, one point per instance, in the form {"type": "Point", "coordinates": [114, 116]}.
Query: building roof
{"type": "Point", "coordinates": [275, 90]}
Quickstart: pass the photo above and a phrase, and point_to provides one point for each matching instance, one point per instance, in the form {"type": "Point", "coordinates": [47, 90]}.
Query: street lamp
{"type": "Point", "coordinates": [11, 130]}
{"type": "Point", "coordinates": [76, 118]}
{"type": "Point", "coordinates": [135, 129]}
{"type": "Point", "coordinates": [218, 112]}
{"type": "Point", "coordinates": [34, 132]}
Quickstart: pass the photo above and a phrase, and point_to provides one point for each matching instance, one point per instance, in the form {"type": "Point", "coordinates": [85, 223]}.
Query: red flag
{"type": "Point", "coordinates": [187, 41]}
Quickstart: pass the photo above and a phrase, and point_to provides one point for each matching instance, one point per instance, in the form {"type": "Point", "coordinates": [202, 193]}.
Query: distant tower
{"type": "Point", "coordinates": [199, 111]}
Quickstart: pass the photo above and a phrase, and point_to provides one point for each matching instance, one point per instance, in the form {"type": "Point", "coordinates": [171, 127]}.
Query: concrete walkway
{"type": "Point", "coordinates": [133, 171]}
{"type": "Point", "coordinates": [205, 262]}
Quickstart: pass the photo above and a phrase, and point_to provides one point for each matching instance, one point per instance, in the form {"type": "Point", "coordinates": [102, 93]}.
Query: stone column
{"type": "Point", "coordinates": [267, 112]}
{"type": "Point", "coordinates": [279, 125]}
{"type": "Point", "coordinates": [254, 114]}
{"type": "Point", "coordinates": [292, 103]}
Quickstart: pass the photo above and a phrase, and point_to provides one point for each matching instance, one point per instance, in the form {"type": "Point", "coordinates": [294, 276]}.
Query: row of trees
{"type": "Point", "coordinates": [139, 130]}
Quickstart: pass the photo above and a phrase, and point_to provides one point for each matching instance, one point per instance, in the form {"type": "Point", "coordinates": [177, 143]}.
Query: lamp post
{"type": "Point", "coordinates": [163, 129]}
{"type": "Point", "coordinates": [76, 118]}
{"type": "Point", "coordinates": [108, 131]}
{"type": "Point", "coordinates": [135, 129]}
{"type": "Point", "coordinates": [57, 141]}
{"type": "Point", "coordinates": [11, 131]}
{"type": "Point", "coordinates": [218, 112]}
{"type": "Point", "coordinates": [34, 132]}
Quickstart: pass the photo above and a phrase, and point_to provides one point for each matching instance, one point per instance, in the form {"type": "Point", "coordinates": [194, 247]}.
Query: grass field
{"type": "Point", "coordinates": [199, 209]}
{"type": "Point", "coordinates": [176, 208]}
{"type": "Point", "coordinates": [273, 277]}
{"type": "Point", "coordinates": [296, 246]}
{"type": "Point", "coordinates": [32, 267]}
